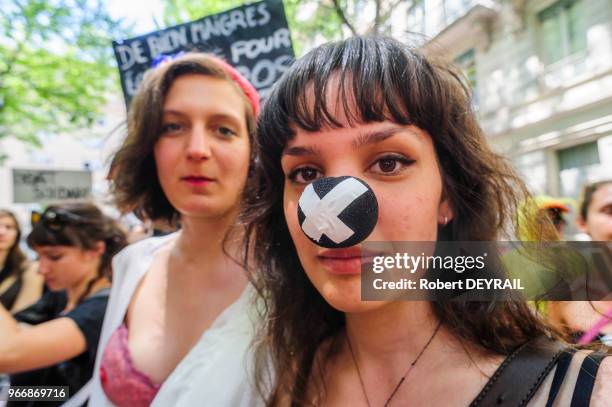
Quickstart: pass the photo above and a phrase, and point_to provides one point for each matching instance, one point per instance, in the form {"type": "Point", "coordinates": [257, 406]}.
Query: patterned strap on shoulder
{"type": "Point", "coordinates": [586, 379]}
{"type": "Point", "coordinates": [562, 366]}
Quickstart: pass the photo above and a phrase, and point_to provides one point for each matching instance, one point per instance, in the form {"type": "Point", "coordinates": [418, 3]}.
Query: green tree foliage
{"type": "Point", "coordinates": [56, 65]}
{"type": "Point", "coordinates": [310, 21]}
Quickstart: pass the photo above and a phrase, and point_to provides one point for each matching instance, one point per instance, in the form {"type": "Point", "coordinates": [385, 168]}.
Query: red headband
{"type": "Point", "coordinates": [248, 89]}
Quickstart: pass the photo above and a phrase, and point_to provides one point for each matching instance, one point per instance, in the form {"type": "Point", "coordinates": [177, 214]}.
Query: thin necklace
{"type": "Point", "coordinates": [414, 362]}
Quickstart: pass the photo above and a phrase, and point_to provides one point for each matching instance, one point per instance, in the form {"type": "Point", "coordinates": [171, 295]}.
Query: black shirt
{"type": "Point", "coordinates": [75, 372]}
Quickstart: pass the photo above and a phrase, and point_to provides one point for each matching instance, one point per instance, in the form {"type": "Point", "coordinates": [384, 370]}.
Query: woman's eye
{"type": "Point", "coordinates": [304, 175]}
{"type": "Point", "coordinates": [391, 165]}
{"type": "Point", "coordinates": [170, 128]}
{"type": "Point", "coordinates": [226, 131]}
{"type": "Point", "coordinates": [55, 258]}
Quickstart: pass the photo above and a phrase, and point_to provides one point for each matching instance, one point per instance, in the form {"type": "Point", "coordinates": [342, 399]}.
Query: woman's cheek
{"type": "Point", "coordinates": [407, 218]}
{"type": "Point", "coordinates": [290, 210]}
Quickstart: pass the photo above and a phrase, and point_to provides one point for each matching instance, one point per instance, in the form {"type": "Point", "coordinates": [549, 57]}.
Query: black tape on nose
{"type": "Point", "coordinates": [338, 212]}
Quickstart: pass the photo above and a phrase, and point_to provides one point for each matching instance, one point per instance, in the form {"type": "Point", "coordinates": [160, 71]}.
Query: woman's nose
{"type": "Point", "coordinates": [198, 147]}
{"type": "Point", "coordinates": [43, 266]}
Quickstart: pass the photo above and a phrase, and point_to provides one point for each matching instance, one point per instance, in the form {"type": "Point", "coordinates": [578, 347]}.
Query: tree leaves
{"type": "Point", "coordinates": [56, 65]}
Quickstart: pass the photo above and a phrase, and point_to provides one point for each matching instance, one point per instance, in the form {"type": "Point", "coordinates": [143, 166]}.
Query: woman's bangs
{"type": "Point", "coordinates": [356, 88]}
{"type": "Point", "coordinates": [42, 236]}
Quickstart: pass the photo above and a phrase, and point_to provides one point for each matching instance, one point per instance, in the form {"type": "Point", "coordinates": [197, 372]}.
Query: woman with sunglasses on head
{"type": "Point", "coordinates": [377, 110]}
{"type": "Point", "coordinates": [54, 341]}
{"type": "Point", "coordinates": [178, 322]}
{"type": "Point", "coordinates": [20, 285]}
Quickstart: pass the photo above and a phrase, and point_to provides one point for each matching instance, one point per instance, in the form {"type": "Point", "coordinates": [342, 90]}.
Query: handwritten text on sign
{"type": "Point", "coordinates": [253, 38]}
{"type": "Point", "coordinates": [34, 186]}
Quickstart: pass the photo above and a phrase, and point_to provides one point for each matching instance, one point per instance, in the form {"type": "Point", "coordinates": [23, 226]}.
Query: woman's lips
{"type": "Point", "coordinates": [196, 180]}
{"type": "Point", "coordinates": [344, 261]}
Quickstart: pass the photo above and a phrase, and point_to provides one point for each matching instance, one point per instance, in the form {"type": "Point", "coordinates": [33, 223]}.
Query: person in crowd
{"type": "Point", "coordinates": [554, 209]}
{"type": "Point", "coordinates": [588, 321]}
{"type": "Point", "coordinates": [595, 217]}
{"type": "Point", "coordinates": [179, 323]}
{"type": "Point", "coordinates": [54, 341]}
{"type": "Point", "coordinates": [381, 111]}
{"type": "Point", "coordinates": [20, 284]}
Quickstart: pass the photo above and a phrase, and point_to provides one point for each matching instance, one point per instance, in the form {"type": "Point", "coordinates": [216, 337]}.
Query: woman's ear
{"type": "Point", "coordinates": [445, 212]}
{"type": "Point", "coordinates": [581, 223]}
{"type": "Point", "coordinates": [98, 250]}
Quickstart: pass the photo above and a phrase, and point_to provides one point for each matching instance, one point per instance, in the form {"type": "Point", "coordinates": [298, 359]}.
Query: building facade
{"type": "Point", "coordinates": [541, 73]}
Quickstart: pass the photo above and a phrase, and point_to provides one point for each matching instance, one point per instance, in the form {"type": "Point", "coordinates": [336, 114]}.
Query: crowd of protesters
{"type": "Point", "coordinates": [221, 299]}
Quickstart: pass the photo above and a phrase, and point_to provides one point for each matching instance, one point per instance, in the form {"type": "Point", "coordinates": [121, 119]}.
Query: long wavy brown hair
{"type": "Point", "coordinates": [16, 260]}
{"type": "Point", "coordinates": [388, 80]}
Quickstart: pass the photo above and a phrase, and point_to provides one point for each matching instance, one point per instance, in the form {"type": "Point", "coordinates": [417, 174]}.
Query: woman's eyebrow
{"type": "Point", "coordinates": [378, 135]}
{"type": "Point", "coordinates": [299, 151]}
{"type": "Point", "coordinates": [172, 111]}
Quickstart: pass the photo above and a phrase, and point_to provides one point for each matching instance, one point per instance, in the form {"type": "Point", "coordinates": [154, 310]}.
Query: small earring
{"type": "Point", "coordinates": [445, 220]}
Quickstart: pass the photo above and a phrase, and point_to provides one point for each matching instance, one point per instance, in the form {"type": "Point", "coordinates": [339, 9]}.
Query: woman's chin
{"type": "Point", "coordinates": [348, 299]}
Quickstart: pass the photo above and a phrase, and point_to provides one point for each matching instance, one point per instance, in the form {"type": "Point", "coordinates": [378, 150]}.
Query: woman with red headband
{"type": "Point", "coordinates": [179, 319]}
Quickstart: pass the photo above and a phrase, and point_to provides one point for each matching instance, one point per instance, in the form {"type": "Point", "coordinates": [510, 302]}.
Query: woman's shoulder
{"type": "Point", "coordinates": [580, 377]}
{"type": "Point", "coordinates": [602, 392]}
{"type": "Point", "coordinates": [140, 252]}
{"type": "Point", "coordinates": [546, 372]}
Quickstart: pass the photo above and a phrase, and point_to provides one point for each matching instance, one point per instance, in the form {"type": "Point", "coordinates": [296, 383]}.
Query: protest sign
{"type": "Point", "coordinates": [253, 38]}
{"type": "Point", "coordinates": [39, 186]}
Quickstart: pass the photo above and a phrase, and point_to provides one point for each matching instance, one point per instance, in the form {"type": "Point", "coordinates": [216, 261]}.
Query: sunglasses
{"type": "Point", "coordinates": [55, 219]}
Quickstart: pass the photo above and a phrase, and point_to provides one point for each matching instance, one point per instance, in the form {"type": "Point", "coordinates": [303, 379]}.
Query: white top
{"type": "Point", "coordinates": [214, 372]}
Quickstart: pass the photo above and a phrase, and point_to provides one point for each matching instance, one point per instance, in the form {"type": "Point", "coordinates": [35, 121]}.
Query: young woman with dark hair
{"type": "Point", "coordinates": [376, 109]}
{"type": "Point", "coordinates": [20, 285]}
{"type": "Point", "coordinates": [75, 243]}
{"type": "Point", "coordinates": [178, 322]}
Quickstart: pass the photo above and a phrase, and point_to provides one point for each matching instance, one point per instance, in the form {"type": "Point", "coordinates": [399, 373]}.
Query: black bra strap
{"type": "Point", "coordinates": [586, 379]}
{"type": "Point", "coordinates": [562, 366]}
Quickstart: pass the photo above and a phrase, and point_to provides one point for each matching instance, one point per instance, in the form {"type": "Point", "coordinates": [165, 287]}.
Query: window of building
{"type": "Point", "coordinates": [453, 9]}
{"type": "Point", "coordinates": [579, 156]}
{"type": "Point", "coordinates": [467, 62]}
{"type": "Point", "coordinates": [416, 17]}
{"type": "Point", "coordinates": [562, 30]}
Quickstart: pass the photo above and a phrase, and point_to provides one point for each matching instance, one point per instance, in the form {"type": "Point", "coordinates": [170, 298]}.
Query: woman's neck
{"type": "Point", "coordinates": [83, 287]}
{"type": "Point", "coordinates": [398, 327]}
{"type": "Point", "coordinates": [202, 240]}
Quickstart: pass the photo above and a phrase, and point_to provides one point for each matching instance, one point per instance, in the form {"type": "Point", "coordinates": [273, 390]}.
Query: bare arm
{"type": "Point", "coordinates": [27, 348]}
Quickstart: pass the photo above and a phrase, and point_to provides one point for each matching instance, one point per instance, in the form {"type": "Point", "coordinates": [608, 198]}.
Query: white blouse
{"type": "Point", "coordinates": [216, 371]}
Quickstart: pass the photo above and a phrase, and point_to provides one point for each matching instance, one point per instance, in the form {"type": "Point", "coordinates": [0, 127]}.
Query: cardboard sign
{"type": "Point", "coordinates": [254, 38]}
{"type": "Point", "coordinates": [39, 186]}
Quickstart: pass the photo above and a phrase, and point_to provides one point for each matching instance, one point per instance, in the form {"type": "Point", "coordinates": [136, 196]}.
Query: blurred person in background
{"type": "Point", "coordinates": [20, 285]}
{"type": "Point", "coordinates": [586, 321]}
{"type": "Point", "coordinates": [178, 323]}
{"type": "Point", "coordinates": [554, 209]}
{"type": "Point", "coordinates": [595, 217]}
{"type": "Point", "coordinates": [54, 341]}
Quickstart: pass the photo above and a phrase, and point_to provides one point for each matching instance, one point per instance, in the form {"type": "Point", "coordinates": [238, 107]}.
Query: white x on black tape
{"type": "Point", "coordinates": [322, 207]}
